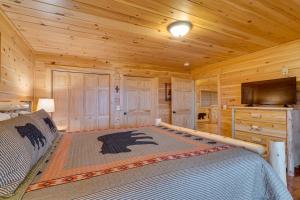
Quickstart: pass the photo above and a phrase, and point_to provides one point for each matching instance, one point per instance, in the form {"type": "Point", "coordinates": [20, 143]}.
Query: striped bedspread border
{"type": "Point", "coordinates": [88, 175]}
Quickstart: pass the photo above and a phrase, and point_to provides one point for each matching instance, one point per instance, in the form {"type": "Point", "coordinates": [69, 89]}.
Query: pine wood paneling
{"type": "Point", "coordinates": [16, 64]}
{"type": "Point", "coordinates": [135, 31]}
{"type": "Point", "coordinates": [263, 65]}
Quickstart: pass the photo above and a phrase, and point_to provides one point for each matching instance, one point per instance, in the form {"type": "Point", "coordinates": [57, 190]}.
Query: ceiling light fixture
{"type": "Point", "coordinates": [179, 28]}
{"type": "Point", "coordinates": [186, 64]}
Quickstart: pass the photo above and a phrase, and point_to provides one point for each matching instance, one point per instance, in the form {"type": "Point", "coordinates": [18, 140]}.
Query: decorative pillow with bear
{"type": "Point", "coordinates": [22, 144]}
{"type": "Point", "coordinates": [46, 122]}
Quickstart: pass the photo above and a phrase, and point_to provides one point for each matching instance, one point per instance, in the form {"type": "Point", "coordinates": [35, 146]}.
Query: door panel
{"type": "Point", "coordinates": [103, 102]}
{"type": "Point", "coordinates": [90, 119]}
{"type": "Point", "coordinates": [61, 96]}
{"type": "Point", "coordinates": [183, 102]}
{"type": "Point", "coordinates": [145, 117]}
{"type": "Point", "coordinates": [131, 102]}
{"type": "Point", "coordinates": [140, 101]}
{"type": "Point", "coordinates": [76, 102]}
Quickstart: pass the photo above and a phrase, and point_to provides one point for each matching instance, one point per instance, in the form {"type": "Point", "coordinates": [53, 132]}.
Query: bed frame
{"type": "Point", "coordinates": [15, 106]}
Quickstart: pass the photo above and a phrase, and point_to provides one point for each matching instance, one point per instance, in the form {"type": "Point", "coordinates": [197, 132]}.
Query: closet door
{"type": "Point", "coordinates": [103, 102]}
{"type": "Point", "coordinates": [183, 102]}
{"type": "Point", "coordinates": [90, 118]}
{"type": "Point", "coordinates": [76, 102]}
{"type": "Point", "coordinates": [82, 101]}
{"type": "Point", "coordinates": [60, 87]}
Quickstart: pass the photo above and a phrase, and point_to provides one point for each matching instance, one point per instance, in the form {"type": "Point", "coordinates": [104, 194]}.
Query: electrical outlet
{"type": "Point", "coordinates": [118, 108]}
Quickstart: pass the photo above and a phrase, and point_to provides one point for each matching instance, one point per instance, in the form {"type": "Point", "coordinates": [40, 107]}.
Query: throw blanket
{"type": "Point", "coordinates": [153, 163]}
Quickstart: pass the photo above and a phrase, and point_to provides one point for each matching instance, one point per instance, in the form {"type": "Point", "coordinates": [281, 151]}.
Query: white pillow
{"type": "Point", "coordinates": [4, 116]}
{"type": "Point", "coordinates": [13, 115]}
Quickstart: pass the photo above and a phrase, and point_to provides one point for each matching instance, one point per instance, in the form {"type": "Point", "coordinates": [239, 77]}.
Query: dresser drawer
{"type": "Point", "coordinates": [264, 128]}
{"type": "Point", "coordinates": [256, 138]}
{"type": "Point", "coordinates": [250, 137]}
{"type": "Point", "coordinates": [276, 116]}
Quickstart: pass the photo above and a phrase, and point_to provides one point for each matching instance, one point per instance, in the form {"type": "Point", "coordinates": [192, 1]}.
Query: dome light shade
{"type": "Point", "coordinates": [186, 64]}
{"type": "Point", "coordinates": [180, 28]}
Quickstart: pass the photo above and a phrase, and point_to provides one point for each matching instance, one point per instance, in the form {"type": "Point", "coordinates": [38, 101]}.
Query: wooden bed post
{"type": "Point", "coordinates": [157, 121]}
{"type": "Point", "coordinates": [277, 159]}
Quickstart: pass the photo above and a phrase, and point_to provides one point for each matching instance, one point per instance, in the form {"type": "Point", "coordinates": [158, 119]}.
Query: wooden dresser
{"type": "Point", "coordinates": [261, 125]}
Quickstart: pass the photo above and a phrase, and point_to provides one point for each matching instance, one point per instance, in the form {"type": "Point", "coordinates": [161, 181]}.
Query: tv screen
{"type": "Point", "coordinates": [271, 92]}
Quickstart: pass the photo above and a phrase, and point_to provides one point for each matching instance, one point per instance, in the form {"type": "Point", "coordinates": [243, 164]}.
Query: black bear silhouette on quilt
{"type": "Point", "coordinates": [119, 142]}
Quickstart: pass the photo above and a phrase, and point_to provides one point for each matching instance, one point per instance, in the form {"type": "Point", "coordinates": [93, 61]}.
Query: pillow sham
{"type": "Point", "coordinates": [34, 135]}
{"type": "Point", "coordinates": [24, 112]}
{"type": "Point", "coordinates": [4, 116]}
{"type": "Point", "coordinates": [20, 191]}
{"type": "Point", "coordinates": [13, 114]}
{"type": "Point", "coordinates": [22, 144]}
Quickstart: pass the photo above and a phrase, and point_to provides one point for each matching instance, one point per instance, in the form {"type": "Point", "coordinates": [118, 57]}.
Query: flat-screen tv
{"type": "Point", "coordinates": [270, 92]}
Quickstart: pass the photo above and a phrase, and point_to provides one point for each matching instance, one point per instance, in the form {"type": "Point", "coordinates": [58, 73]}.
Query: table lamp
{"type": "Point", "coordinates": [46, 104]}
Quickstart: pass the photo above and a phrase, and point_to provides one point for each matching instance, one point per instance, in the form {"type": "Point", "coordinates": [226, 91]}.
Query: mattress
{"type": "Point", "coordinates": [152, 163]}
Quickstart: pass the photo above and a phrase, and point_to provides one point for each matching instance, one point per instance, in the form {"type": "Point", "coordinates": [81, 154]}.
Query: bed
{"type": "Point", "coordinates": [152, 162]}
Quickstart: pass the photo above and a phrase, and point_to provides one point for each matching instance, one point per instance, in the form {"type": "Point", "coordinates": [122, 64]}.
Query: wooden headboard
{"type": "Point", "coordinates": [15, 106]}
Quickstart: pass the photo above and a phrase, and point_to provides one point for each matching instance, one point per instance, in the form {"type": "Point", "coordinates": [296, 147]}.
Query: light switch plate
{"type": "Point", "coordinates": [285, 71]}
{"type": "Point", "coordinates": [118, 108]}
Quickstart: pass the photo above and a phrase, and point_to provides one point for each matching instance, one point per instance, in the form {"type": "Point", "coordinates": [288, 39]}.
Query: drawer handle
{"type": "Point", "coordinates": [255, 115]}
{"type": "Point", "coordinates": [255, 128]}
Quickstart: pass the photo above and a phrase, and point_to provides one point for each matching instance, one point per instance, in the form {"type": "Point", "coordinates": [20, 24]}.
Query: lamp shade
{"type": "Point", "coordinates": [46, 104]}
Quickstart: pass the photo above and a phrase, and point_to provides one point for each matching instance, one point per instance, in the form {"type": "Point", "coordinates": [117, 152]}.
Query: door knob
{"type": "Point", "coordinates": [174, 112]}
{"type": "Point", "coordinates": [125, 113]}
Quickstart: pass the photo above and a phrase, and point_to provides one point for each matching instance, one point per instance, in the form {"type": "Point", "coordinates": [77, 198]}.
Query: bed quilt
{"type": "Point", "coordinates": [152, 163]}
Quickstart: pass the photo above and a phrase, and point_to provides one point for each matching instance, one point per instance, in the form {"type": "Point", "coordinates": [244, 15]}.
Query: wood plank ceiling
{"type": "Point", "coordinates": [134, 31]}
